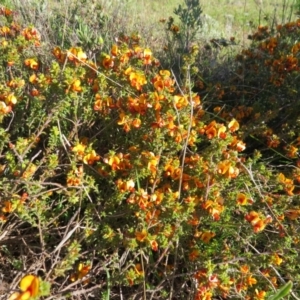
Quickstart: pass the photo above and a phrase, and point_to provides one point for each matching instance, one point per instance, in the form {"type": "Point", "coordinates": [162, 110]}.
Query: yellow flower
{"type": "Point", "coordinates": [114, 50]}
{"type": "Point", "coordinates": [260, 295]}
{"type": "Point", "coordinates": [292, 214]}
{"type": "Point", "coordinates": [108, 62]}
{"type": "Point", "coordinates": [180, 101]}
{"type": "Point", "coordinates": [82, 271]}
{"type": "Point", "coordinates": [165, 73]}
{"type": "Point", "coordinates": [147, 56]}
{"type": "Point", "coordinates": [292, 151]}
{"type": "Point", "coordinates": [91, 157]}
{"type": "Point", "coordinates": [139, 269]}
{"type": "Point", "coordinates": [207, 236]}
{"type": "Point", "coordinates": [242, 199]}
{"type": "Point", "coordinates": [154, 245]}
{"type": "Point", "coordinates": [194, 254]}
{"type": "Point", "coordinates": [136, 123]}
{"type": "Point", "coordinates": [76, 55]}
{"type": "Point", "coordinates": [11, 99]}
{"type": "Point", "coordinates": [137, 80]}
{"type": "Point", "coordinates": [244, 269]}
{"type": "Point", "coordinates": [29, 171]}
{"type": "Point", "coordinates": [125, 186]}
{"type": "Point", "coordinates": [7, 208]}
{"type": "Point", "coordinates": [76, 86]}
{"type": "Point", "coordinates": [31, 63]}
{"type": "Point", "coordinates": [221, 132]}
{"type": "Point", "coordinates": [79, 149]}
{"type": "Point", "coordinates": [276, 259]}
{"type": "Point", "coordinates": [141, 235]}
{"type": "Point", "coordinates": [29, 287]}
{"type": "Point", "coordinates": [233, 125]}
{"type": "Point", "coordinates": [251, 281]}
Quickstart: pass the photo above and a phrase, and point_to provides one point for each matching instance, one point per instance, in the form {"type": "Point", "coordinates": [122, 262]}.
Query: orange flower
{"type": "Point", "coordinates": [139, 269]}
{"type": "Point", "coordinates": [31, 63]}
{"type": "Point", "coordinates": [159, 84]}
{"type": "Point", "coordinates": [82, 271]}
{"type": "Point", "coordinates": [79, 149]}
{"type": "Point", "coordinates": [7, 208]}
{"type": "Point", "coordinates": [113, 161]}
{"type": "Point", "coordinates": [114, 50]}
{"type": "Point", "coordinates": [214, 208]}
{"type": "Point", "coordinates": [221, 132]}
{"type": "Point", "coordinates": [242, 199]}
{"type": "Point", "coordinates": [60, 56]}
{"type": "Point", "coordinates": [5, 109]}
{"type": "Point", "coordinates": [136, 123]}
{"type": "Point", "coordinates": [165, 73]}
{"type": "Point", "coordinates": [225, 168]}
{"type": "Point", "coordinates": [244, 269]}
{"type": "Point", "coordinates": [292, 214]}
{"type": "Point", "coordinates": [180, 101]}
{"type": "Point", "coordinates": [34, 92]}
{"type": "Point", "coordinates": [107, 62]}
{"type": "Point", "coordinates": [257, 222]}
{"type": "Point", "coordinates": [276, 259]}
{"type": "Point", "coordinates": [11, 99]}
{"type": "Point", "coordinates": [76, 55]}
{"type": "Point", "coordinates": [273, 141]}
{"type": "Point", "coordinates": [240, 146]}
{"type": "Point", "coordinates": [147, 56]}
{"type": "Point", "coordinates": [194, 254]}
{"type": "Point", "coordinates": [233, 125]}
{"type": "Point", "coordinates": [31, 33]}
{"type": "Point", "coordinates": [211, 130]}
{"type": "Point", "coordinates": [141, 235]}
{"type": "Point", "coordinates": [5, 11]}
{"type": "Point", "coordinates": [3, 218]}
{"type": "Point", "coordinates": [125, 186]}
{"type": "Point", "coordinates": [251, 281]}
{"type": "Point", "coordinates": [125, 121]}
{"type": "Point", "coordinates": [253, 215]}
{"type": "Point", "coordinates": [289, 186]}
{"type": "Point", "coordinates": [258, 226]}
{"type": "Point", "coordinates": [91, 157]}
{"type": "Point", "coordinates": [137, 80]}
{"type": "Point", "coordinates": [206, 236]}
{"type": "Point", "coordinates": [260, 295]}
{"type": "Point", "coordinates": [157, 197]}
{"type": "Point", "coordinates": [29, 287]}
{"type": "Point", "coordinates": [292, 152]}
{"type": "Point", "coordinates": [151, 160]}
{"type": "Point", "coordinates": [76, 86]}
{"type": "Point", "coordinates": [194, 221]}
{"type": "Point", "coordinates": [154, 245]}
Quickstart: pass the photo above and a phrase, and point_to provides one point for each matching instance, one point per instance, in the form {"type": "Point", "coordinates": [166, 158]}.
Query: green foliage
{"type": "Point", "coordinates": [181, 36]}
{"type": "Point", "coordinates": [282, 292]}
{"type": "Point", "coordinates": [190, 22]}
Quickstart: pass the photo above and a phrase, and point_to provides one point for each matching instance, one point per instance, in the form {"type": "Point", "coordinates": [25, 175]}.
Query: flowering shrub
{"type": "Point", "coordinates": [265, 86]}
{"type": "Point", "coordinates": [115, 177]}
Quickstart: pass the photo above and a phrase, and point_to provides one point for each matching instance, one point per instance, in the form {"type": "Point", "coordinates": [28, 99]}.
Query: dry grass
{"type": "Point", "coordinates": [239, 17]}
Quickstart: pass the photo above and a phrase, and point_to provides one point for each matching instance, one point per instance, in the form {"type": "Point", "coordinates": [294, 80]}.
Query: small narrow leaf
{"type": "Point", "coordinates": [282, 292]}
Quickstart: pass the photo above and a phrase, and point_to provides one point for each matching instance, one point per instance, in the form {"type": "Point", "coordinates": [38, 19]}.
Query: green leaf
{"type": "Point", "coordinates": [282, 292]}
